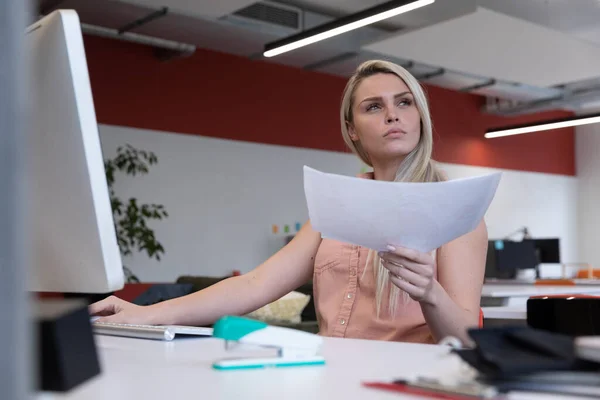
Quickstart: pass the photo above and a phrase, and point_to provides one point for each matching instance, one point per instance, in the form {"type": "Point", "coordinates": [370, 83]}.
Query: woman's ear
{"type": "Point", "coordinates": [352, 132]}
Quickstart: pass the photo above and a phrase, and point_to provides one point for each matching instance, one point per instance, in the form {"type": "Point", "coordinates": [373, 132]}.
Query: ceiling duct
{"type": "Point", "coordinates": [167, 48]}
{"type": "Point", "coordinates": [164, 49]}
{"type": "Point", "coordinates": [268, 17]}
{"type": "Point", "coordinates": [571, 99]}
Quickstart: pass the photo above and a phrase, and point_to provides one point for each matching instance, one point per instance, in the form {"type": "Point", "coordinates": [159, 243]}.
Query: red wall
{"type": "Point", "coordinates": [220, 95]}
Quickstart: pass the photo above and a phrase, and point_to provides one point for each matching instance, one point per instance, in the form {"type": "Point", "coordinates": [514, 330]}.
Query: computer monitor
{"type": "Point", "coordinates": [505, 257]}
{"type": "Point", "coordinates": [73, 245]}
{"type": "Point", "coordinates": [547, 250]}
{"type": "Point", "coordinates": [515, 255]}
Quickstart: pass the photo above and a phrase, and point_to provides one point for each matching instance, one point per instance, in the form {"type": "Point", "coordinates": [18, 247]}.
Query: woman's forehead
{"type": "Point", "coordinates": [381, 84]}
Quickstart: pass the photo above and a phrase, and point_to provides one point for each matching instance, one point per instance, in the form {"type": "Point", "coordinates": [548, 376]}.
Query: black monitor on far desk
{"type": "Point", "coordinates": [547, 250]}
{"type": "Point", "coordinates": [506, 257]}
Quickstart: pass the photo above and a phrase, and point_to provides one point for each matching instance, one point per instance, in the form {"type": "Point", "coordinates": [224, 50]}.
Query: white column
{"type": "Point", "coordinates": [588, 176]}
{"type": "Point", "coordinates": [15, 336]}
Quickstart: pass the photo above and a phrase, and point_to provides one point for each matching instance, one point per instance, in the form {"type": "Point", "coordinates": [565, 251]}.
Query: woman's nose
{"type": "Point", "coordinates": [391, 117]}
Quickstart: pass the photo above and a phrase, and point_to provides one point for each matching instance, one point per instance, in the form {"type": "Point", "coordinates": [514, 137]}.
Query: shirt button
{"type": "Point", "coordinates": [352, 272]}
{"type": "Point", "coordinates": [343, 322]}
{"type": "Point", "coordinates": [349, 295]}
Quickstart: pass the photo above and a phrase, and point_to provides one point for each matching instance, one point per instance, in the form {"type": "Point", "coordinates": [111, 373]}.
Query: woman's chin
{"type": "Point", "coordinates": [395, 153]}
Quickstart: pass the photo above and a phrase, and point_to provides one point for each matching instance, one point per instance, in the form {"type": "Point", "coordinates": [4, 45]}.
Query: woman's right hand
{"type": "Point", "coordinates": [115, 310]}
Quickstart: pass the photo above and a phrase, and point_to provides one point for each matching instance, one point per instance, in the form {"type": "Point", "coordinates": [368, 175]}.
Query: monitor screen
{"type": "Point", "coordinates": [548, 250]}
{"type": "Point", "coordinates": [505, 257]}
{"type": "Point", "coordinates": [515, 255]}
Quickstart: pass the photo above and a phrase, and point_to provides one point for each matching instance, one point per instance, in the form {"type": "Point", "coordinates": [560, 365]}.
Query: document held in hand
{"type": "Point", "coordinates": [374, 214]}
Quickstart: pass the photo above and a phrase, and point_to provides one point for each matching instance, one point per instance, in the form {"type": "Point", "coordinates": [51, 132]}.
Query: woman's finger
{"type": "Point", "coordinates": [408, 275]}
{"type": "Point", "coordinates": [411, 254]}
{"type": "Point", "coordinates": [107, 306]}
{"type": "Point", "coordinates": [413, 291]}
{"type": "Point", "coordinates": [117, 318]}
{"type": "Point", "coordinates": [396, 259]}
{"type": "Point", "coordinates": [423, 270]}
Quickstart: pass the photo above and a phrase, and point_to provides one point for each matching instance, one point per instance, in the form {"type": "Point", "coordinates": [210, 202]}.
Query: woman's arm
{"type": "Point", "coordinates": [286, 270]}
{"type": "Point", "coordinates": [455, 299]}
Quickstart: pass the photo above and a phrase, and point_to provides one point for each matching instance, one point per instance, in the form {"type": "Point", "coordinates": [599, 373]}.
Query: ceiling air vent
{"type": "Point", "coordinates": [268, 17]}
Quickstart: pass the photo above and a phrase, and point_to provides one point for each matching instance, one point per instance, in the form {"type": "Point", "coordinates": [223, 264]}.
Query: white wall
{"type": "Point", "coordinates": [544, 203]}
{"type": "Point", "coordinates": [588, 172]}
{"type": "Point", "coordinates": [223, 196]}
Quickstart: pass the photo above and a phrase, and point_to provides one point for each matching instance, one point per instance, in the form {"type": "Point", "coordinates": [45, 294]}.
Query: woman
{"type": "Point", "coordinates": [401, 294]}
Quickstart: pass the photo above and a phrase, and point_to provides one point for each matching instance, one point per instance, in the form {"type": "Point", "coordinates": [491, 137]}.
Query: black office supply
{"type": "Point", "coordinates": [526, 359]}
{"type": "Point", "coordinates": [569, 315]}
{"type": "Point", "coordinates": [66, 347]}
{"type": "Point", "coordinates": [512, 351]}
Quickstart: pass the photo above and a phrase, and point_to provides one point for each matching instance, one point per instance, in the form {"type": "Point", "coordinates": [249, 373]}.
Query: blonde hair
{"type": "Point", "coordinates": [417, 166]}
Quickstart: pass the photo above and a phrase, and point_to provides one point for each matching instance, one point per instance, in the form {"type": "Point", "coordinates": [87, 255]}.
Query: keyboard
{"type": "Point", "coordinates": [156, 332]}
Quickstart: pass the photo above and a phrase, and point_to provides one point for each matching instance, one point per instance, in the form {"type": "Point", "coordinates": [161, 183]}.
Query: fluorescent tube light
{"type": "Point", "coordinates": [543, 126]}
{"type": "Point", "coordinates": [342, 25]}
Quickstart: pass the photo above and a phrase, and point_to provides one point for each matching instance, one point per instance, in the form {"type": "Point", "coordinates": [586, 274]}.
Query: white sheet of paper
{"type": "Point", "coordinates": [374, 214]}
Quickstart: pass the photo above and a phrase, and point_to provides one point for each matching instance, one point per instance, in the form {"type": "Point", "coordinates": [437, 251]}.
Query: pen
{"type": "Point", "coordinates": [435, 391]}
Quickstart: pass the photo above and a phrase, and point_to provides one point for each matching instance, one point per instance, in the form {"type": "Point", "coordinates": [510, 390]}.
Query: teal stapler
{"type": "Point", "coordinates": [293, 347]}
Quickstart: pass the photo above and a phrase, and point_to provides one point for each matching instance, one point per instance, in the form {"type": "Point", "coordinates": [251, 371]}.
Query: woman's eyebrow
{"type": "Point", "coordinates": [378, 98]}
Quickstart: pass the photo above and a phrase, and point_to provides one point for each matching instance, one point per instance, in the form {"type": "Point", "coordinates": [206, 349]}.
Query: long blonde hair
{"type": "Point", "coordinates": [417, 166]}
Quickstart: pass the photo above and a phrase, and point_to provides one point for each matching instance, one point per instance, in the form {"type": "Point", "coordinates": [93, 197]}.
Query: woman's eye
{"type": "Point", "coordinates": [372, 107]}
{"type": "Point", "coordinates": [405, 102]}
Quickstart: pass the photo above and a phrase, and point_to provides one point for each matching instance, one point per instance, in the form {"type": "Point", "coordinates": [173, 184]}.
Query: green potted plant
{"type": "Point", "coordinates": [130, 217]}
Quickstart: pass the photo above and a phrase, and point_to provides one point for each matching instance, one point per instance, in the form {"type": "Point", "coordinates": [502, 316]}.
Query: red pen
{"type": "Point", "coordinates": [435, 390]}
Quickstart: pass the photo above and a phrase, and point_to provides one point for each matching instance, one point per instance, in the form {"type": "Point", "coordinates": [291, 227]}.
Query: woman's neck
{"type": "Point", "coordinates": [386, 171]}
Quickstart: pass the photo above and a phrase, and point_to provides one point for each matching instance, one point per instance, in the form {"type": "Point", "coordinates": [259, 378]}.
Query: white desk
{"type": "Point", "coordinates": [518, 293]}
{"type": "Point", "coordinates": [509, 313]}
{"type": "Point", "coordinates": [523, 290]}
{"type": "Point", "coordinates": [144, 369]}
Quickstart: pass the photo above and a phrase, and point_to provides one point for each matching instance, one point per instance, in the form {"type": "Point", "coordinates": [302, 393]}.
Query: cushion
{"type": "Point", "coordinates": [286, 309]}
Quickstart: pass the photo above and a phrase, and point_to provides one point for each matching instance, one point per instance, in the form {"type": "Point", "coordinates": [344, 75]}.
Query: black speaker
{"type": "Point", "coordinates": [66, 351]}
{"type": "Point", "coordinates": [569, 315]}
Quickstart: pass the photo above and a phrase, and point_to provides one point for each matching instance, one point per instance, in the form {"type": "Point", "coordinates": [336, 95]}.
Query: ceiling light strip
{"type": "Point", "coordinates": [543, 126]}
{"type": "Point", "coordinates": [342, 25]}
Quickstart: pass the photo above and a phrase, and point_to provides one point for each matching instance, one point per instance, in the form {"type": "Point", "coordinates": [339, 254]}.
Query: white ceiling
{"type": "Point", "coordinates": [198, 8]}
{"type": "Point", "coordinates": [513, 41]}
{"type": "Point", "coordinates": [492, 44]}
{"type": "Point", "coordinates": [579, 18]}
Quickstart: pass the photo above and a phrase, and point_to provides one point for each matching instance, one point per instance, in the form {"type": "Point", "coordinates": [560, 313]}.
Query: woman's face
{"type": "Point", "coordinates": [386, 120]}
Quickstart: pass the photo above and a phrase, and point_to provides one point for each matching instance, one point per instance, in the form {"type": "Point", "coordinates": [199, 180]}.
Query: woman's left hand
{"type": "Point", "coordinates": [412, 271]}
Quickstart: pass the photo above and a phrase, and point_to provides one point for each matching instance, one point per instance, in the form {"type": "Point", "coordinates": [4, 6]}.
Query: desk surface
{"type": "Point", "coordinates": [579, 282]}
{"type": "Point", "coordinates": [145, 369]}
{"type": "Point", "coordinates": [514, 312]}
{"type": "Point", "coordinates": [527, 290]}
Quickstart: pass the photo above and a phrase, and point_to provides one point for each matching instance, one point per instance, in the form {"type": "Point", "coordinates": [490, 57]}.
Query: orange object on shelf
{"type": "Point", "coordinates": [555, 282]}
{"type": "Point", "coordinates": [585, 274]}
